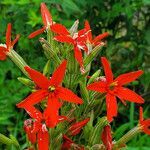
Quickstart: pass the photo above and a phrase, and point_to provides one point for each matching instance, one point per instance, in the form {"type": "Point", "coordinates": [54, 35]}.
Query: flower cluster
{"type": "Point", "coordinates": [57, 113]}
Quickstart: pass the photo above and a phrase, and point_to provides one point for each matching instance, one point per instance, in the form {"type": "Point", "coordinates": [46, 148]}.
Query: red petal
{"type": "Point", "coordinates": [107, 138]}
{"type": "Point", "coordinates": [146, 126]}
{"type": "Point", "coordinates": [127, 94]}
{"type": "Point", "coordinates": [107, 70]}
{"type": "Point", "coordinates": [31, 136]}
{"type": "Point", "coordinates": [58, 74]}
{"type": "Point", "coordinates": [128, 77]}
{"type": "Point", "coordinates": [81, 33]}
{"type": "Point", "coordinates": [64, 39]}
{"type": "Point", "coordinates": [46, 16]}
{"type": "Point", "coordinates": [51, 112]}
{"type": "Point", "coordinates": [39, 79]}
{"type": "Point", "coordinates": [33, 112]}
{"type": "Point", "coordinates": [3, 49]}
{"type": "Point", "coordinates": [98, 87]}
{"type": "Point", "coordinates": [15, 40]}
{"type": "Point", "coordinates": [2, 54]}
{"type": "Point", "coordinates": [37, 32]}
{"type": "Point", "coordinates": [43, 139]}
{"type": "Point", "coordinates": [100, 37]}
{"type": "Point", "coordinates": [112, 108]}
{"type": "Point", "coordinates": [28, 126]}
{"type": "Point", "coordinates": [33, 99]}
{"type": "Point", "coordinates": [88, 29]}
{"type": "Point", "coordinates": [67, 95]}
{"type": "Point", "coordinates": [83, 46]}
{"type": "Point", "coordinates": [78, 56]}
{"type": "Point", "coordinates": [66, 143]}
{"type": "Point", "coordinates": [37, 125]}
{"type": "Point", "coordinates": [59, 29]}
{"type": "Point", "coordinates": [141, 114]}
{"type": "Point", "coordinates": [62, 118]}
{"type": "Point", "coordinates": [8, 36]}
{"type": "Point", "coordinates": [76, 128]}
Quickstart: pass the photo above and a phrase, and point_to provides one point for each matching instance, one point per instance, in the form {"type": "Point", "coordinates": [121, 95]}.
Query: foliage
{"type": "Point", "coordinates": [127, 48]}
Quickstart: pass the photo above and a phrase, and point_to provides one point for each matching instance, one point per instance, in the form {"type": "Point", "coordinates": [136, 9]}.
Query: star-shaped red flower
{"type": "Point", "coordinates": [36, 128]}
{"type": "Point", "coordinates": [78, 40]}
{"type": "Point", "coordinates": [144, 123]}
{"type": "Point", "coordinates": [50, 115]}
{"type": "Point", "coordinates": [51, 90]}
{"type": "Point", "coordinates": [98, 39]}
{"type": "Point", "coordinates": [9, 44]}
{"type": "Point", "coordinates": [47, 21]}
{"type": "Point", "coordinates": [37, 132]}
{"type": "Point", "coordinates": [114, 88]}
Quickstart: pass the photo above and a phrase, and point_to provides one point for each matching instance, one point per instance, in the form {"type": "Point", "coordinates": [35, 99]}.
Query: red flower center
{"type": "Point", "coordinates": [112, 85]}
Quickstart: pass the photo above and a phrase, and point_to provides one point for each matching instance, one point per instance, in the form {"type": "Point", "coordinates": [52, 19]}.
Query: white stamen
{"type": "Point", "coordinates": [3, 45]}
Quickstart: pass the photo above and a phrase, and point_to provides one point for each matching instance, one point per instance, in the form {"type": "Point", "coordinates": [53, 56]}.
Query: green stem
{"type": "Point", "coordinates": [18, 60]}
{"type": "Point", "coordinates": [132, 115]}
{"type": "Point", "coordinates": [128, 136]}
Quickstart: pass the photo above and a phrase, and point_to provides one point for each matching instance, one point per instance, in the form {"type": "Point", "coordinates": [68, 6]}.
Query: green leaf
{"type": "Point", "coordinates": [121, 130]}
{"type": "Point", "coordinates": [90, 57]}
{"type": "Point", "coordinates": [95, 135]}
{"type": "Point", "coordinates": [94, 76]}
{"type": "Point", "coordinates": [84, 92]}
{"type": "Point", "coordinates": [74, 27]}
{"type": "Point", "coordinates": [46, 69]}
{"type": "Point", "coordinates": [146, 2]}
{"type": "Point", "coordinates": [69, 6]}
{"type": "Point", "coordinates": [26, 82]}
{"type": "Point", "coordinates": [34, 18]}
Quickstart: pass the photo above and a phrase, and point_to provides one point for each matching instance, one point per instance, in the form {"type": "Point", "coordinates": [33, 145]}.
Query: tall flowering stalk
{"type": "Point", "coordinates": [64, 107]}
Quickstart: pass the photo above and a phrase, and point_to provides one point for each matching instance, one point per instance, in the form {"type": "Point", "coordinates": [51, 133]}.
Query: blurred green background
{"type": "Point", "coordinates": [127, 49]}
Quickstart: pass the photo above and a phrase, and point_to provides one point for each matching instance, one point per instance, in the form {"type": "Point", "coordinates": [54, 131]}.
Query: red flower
{"type": "Point", "coordinates": [51, 90]}
{"type": "Point", "coordinates": [28, 127]}
{"type": "Point", "coordinates": [67, 142]}
{"type": "Point", "coordinates": [107, 138]}
{"type": "Point", "coordinates": [9, 44]}
{"type": "Point", "coordinates": [78, 40]}
{"type": "Point", "coordinates": [114, 88]}
{"type": "Point", "coordinates": [76, 128]}
{"type": "Point", "coordinates": [37, 132]}
{"type": "Point", "coordinates": [144, 123]}
{"type": "Point", "coordinates": [97, 39]}
{"type": "Point", "coordinates": [47, 21]}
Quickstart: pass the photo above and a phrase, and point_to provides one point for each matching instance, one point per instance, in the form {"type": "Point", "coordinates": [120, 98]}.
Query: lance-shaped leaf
{"type": "Point", "coordinates": [8, 141]}
{"type": "Point", "coordinates": [94, 76]}
{"type": "Point", "coordinates": [84, 92]}
{"type": "Point", "coordinates": [46, 69]}
{"type": "Point", "coordinates": [121, 130]}
{"type": "Point", "coordinates": [74, 28]}
{"type": "Point", "coordinates": [5, 140]}
{"type": "Point", "coordinates": [26, 82]}
{"type": "Point", "coordinates": [89, 58]}
{"type": "Point", "coordinates": [15, 142]}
